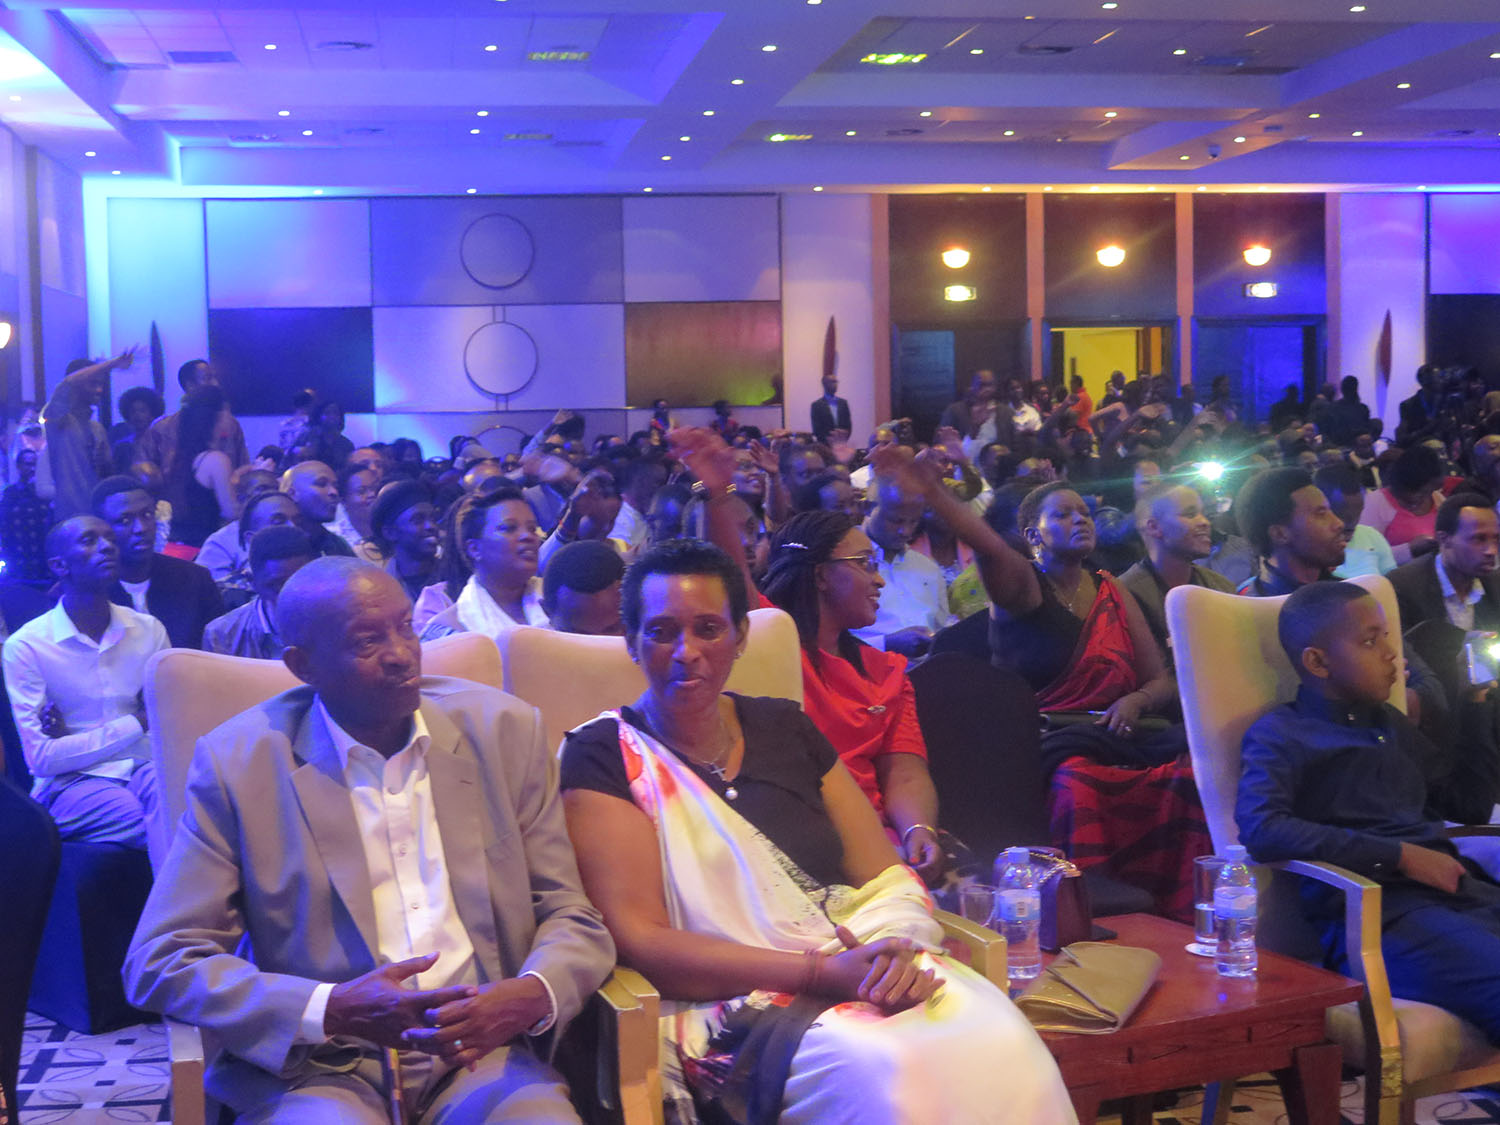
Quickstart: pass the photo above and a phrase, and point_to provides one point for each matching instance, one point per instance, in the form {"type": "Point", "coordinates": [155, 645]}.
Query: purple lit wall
{"type": "Point", "coordinates": [1464, 240]}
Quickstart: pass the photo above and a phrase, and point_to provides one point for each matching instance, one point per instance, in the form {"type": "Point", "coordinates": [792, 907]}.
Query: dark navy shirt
{"type": "Point", "coordinates": [1322, 780]}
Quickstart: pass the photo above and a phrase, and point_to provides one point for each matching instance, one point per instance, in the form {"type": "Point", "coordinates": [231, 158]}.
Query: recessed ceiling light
{"type": "Point", "coordinates": [1421, 187]}
{"type": "Point", "coordinates": [708, 113]}
{"type": "Point", "coordinates": [283, 113]}
{"type": "Point", "coordinates": [666, 157]}
{"type": "Point", "coordinates": [1047, 188]}
{"type": "Point", "coordinates": [1180, 51]}
{"type": "Point", "coordinates": [15, 97]}
{"type": "Point", "coordinates": [1495, 54]}
{"type": "Point", "coordinates": [1202, 188]}
{"type": "Point", "coordinates": [481, 113]}
{"type": "Point", "coordinates": [986, 188]}
{"type": "Point", "coordinates": [1357, 8]}
{"type": "Point", "coordinates": [470, 191]}
{"type": "Point", "coordinates": [1151, 188]}
{"type": "Point", "coordinates": [816, 187]}
{"type": "Point", "coordinates": [1109, 5]}
{"type": "Point", "coordinates": [736, 81]}
{"type": "Point", "coordinates": [307, 132]}
{"type": "Point", "coordinates": [1314, 116]}
{"type": "Point", "coordinates": [1110, 113]}
{"type": "Point", "coordinates": [1184, 157]}
{"type": "Point", "coordinates": [925, 113]}
{"type": "Point", "coordinates": [851, 132]}
{"type": "Point", "coordinates": [815, 2]}
{"type": "Point", "coordinates": [1239, 140]}
{"type": "Point", "coordinates": [1010, 132]}
{"type": "Point", "coordinates": [976, 50]}
{"type": "Point", "coordinates": [91, 152]}
{"type": "Point", "coordinates": [317, 191]}
{"type": "Point", "coordinates": [1357, 133]}
{"type": "Point", "coordinates": [1095, 187]}
{"type": "Point", "coordinates": [115, 172]}
{"type": "Point", "coordinates": [769, 47]}
{"type": "Point", "coordinates": [473, 132]}
{"type": "Point", "coordinates": [491, 47]}
{"type": "Point", "coordinates": [645, 189]}
{"type": "Point", "coordinates": [684, 137]}
{"type": "Point", "coordinates": [1403, 85]}
{"type": "Point", "coordinates": [270, 46]}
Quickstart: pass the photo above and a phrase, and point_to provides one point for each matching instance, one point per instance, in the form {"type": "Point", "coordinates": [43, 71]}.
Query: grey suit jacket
{"type": "Point", "coordinates": [265, 891]}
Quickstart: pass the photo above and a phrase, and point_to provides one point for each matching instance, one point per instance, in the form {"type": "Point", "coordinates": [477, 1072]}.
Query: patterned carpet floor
{"type": "Point", "coordinates": [124, 1076]}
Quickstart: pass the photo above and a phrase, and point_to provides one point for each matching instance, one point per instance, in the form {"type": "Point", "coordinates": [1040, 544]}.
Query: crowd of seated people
{"type": "Point", "coordinates": [1037, 530]}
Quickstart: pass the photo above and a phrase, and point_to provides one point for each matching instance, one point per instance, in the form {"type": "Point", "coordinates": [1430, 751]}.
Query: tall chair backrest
{"type": "Point", "coordinates": [572, 678]}
{"type": "Point", "coordinates": [189, 693]}
{"type": "Point", "coordinates": [1230, 671]}
{"type": "Point", "coordinates": [28, 841]}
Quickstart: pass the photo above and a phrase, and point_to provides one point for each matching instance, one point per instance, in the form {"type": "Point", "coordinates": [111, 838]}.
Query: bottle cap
{"type": "Point", "coordinates": [1235, 853]}
{"type": "Point", "coordinates": [1017, 855]}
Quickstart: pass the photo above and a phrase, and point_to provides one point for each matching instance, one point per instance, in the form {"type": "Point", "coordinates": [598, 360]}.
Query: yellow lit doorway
{"type": "Point", "coordinates": [1096, 351]}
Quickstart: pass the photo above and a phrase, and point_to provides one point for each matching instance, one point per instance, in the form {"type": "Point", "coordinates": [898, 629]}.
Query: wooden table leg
{"type": "Point", "coordinates": [1085, 1101]}
{"type": "Point", "coordinates": [1217, 1097]}
{"type": "Point", "coordinates": [1137, 1110]}
{"type": "Point", "coordinates": [1310, 1086]}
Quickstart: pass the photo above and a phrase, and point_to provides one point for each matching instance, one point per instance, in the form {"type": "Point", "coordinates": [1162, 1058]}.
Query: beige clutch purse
{"type": "Point", "coordinates": [1092, 988]}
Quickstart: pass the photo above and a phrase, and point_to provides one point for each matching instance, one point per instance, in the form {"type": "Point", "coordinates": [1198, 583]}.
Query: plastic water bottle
{"type": "Point", "coordinates": [1234, 916]}
{"type": "Point", "coordinates": [1018, 903]}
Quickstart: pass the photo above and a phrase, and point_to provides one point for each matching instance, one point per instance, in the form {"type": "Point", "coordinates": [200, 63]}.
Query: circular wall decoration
{"type": "Point", "coordinates": [500, 358]}
{"type": "Point", "coordinates": [497, 251]}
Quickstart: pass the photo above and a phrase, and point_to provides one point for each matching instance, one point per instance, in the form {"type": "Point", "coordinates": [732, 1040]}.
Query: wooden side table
{"type": "Point", "coordinates": [1196, 1027]}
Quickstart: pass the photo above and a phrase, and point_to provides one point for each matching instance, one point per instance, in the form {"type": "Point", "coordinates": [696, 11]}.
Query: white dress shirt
{"type": "Point", "coordinates": [222, 553]}
{"type": "Point", "coordinates": [95, 686]}
{"type": "Point", "coordinates": [1460, 607]}
{"type": "Point", "coordinates": [631, 527]}
{"type": "Point", "coordinates": [915, 594]}
{"type": "Point", "coordinates": [415, 913]}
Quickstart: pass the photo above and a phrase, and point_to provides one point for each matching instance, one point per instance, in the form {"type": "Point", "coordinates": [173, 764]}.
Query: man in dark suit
{"type": "Point", "coordinates": [1420, 411]}
{"type": "Point", "coordinates": [179, 594]}
{"type": "Point", "coordinates": [830, 412]}
{"type": "Point", "coordinates": [374, 860]}
{"type": "Point", "coordinates": [1458, 582]}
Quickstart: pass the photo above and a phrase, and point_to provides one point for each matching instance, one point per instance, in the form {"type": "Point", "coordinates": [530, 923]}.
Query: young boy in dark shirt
{"type": "Point", "coordinates": [1339, 775]}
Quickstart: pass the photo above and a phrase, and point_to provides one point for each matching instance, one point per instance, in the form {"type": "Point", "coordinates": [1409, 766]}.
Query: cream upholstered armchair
{"type": "Point", "coordinates": [189, 693]}
{"type": "Point", "coordinates": [571, 679]}
{"type": "Point", "coordinates": [1231, 670]}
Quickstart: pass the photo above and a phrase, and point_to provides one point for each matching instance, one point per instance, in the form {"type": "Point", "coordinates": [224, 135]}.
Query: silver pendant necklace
{"type": "Point", "coordinates": [716, 767]}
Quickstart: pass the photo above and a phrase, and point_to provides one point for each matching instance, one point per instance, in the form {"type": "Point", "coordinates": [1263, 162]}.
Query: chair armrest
{"type": "Point", "coordinates": [986, 948]}
{"type": "Point", "coordinates": [630, 1047]}
{"type": "Point", "coordinates": [1362, 946]}
{"type": "Point", "coordinates": [1459, 830]}
{"type": "Point", "coordinates": [185, 1049]}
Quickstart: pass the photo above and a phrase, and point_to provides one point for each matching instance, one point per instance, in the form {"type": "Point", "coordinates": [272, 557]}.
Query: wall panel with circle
{"type": "Point", "coordinates": [536, 356]}
{"type": "Point", "coordinates": [482, 250]}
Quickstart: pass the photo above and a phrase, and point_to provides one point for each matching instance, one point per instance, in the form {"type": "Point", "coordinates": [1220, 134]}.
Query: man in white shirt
{"type": "Point", "coordinates": [74, 676]}
{"type": "Point", "coordinates": [638, 481]}
{"type": "Point", "coordinates": [436, 906]}
{"type": "Point", "coordinates": [914, 603]}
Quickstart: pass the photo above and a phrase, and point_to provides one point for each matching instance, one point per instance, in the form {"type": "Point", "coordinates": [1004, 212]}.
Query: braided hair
{"type": "Point", "coordinates": [799, 546]}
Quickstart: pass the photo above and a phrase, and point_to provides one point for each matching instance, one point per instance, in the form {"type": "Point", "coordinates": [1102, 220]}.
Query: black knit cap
{"type": "Point", "coordinates": [393, 499]}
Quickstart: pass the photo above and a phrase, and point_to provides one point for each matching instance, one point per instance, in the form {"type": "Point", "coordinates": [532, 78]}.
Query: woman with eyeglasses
{"type": "Point", "coordinates": [740, 870]}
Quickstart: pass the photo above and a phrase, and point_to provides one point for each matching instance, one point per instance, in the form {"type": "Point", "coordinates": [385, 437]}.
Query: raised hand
{"type": "Point", "coordinates": [378, 1009]}
{"type": "Point", "coordinates": [706, 454]}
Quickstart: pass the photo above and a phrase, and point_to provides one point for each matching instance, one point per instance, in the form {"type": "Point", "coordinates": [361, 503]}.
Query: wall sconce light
{"type": "Point", "coordinates": [1262, 289]}
{"type": "Point", "coordinates": [1110, 256]}
{"type": "Point", "coordinates": [960, 293]}
{"type": "Point", "coordinates": [5, 333]}
{"type": "Point", "coordinates": [955, 257]}
{"type": "Point", "coordinates": [1257, 255]}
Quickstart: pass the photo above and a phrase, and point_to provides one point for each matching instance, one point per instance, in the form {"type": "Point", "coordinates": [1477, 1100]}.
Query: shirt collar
{"type": "Point", "coordinates": [1316, 705]}
{"type": "Point", "coordinates": [345, 743]}
{"type": "Point", "coordinates": [1476, 589]}
{"type": "Point", "coordinates": [63, 628]}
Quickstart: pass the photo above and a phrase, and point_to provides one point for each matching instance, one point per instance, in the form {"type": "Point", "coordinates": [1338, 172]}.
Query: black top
{"type": "Point", "coordinates": [199, 517]}
{"type": "Point", "coordinates": [1039, 645]}
{"type": "Point", "coordinates": [779, 786]}
{"type": "Point", "coordinates": [181, 595]}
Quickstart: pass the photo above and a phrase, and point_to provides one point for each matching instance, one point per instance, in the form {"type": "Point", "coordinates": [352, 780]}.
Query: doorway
{"type": "Point", "coordinates": [1095, 351]}
{"type": "Point", "coordinates": [931, 366]}
{"type": "Point", "coordinates": [1261, 359]}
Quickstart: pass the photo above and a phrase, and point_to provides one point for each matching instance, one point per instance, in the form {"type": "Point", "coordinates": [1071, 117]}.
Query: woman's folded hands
{"type": "Point", "coordinates": [882, 972]}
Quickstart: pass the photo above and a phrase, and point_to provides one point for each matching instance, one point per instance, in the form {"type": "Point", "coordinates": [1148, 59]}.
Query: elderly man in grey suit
{"type": "Point", "coordinates": [373, 860]}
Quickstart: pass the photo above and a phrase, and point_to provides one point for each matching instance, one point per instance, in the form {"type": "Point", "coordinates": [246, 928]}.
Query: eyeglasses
{"type": "Point", "coordinates": [869, 562]}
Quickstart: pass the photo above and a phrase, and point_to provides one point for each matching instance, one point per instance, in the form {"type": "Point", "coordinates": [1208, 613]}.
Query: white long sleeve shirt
{"type": "Point", "coordinates": [95, 686]}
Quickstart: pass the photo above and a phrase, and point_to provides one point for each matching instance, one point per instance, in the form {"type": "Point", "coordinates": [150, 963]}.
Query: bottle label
{"type": "Point", "coordinates": [1234, 902]}
{"type": "Point", "coordinates": [1020, 906]}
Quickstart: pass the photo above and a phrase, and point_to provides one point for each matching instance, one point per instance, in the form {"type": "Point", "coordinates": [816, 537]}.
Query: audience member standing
{"type": "Point", "coordinates": [830, 413]}
{"type": "Point", "coordinates": [276, 553]}
{"type": "Point", "coordinates": [179, 594]}
{"type": "Point", "coordinates": [638, 482]}
{"type": "Point", "coordinates": [332, 447]}
{"type": "Point", "coordinates": [77, 446]}
{"type": "Point", "coordinates": [160, 442]}
{"type": "Point", "coordinates": [86, 659]}
{"type": "Point", "coordinates": [139, 407]}
{"type": "Point", "coordinates": [24, 521]}
{"type": "Point", "coordinates": [198, 472]}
